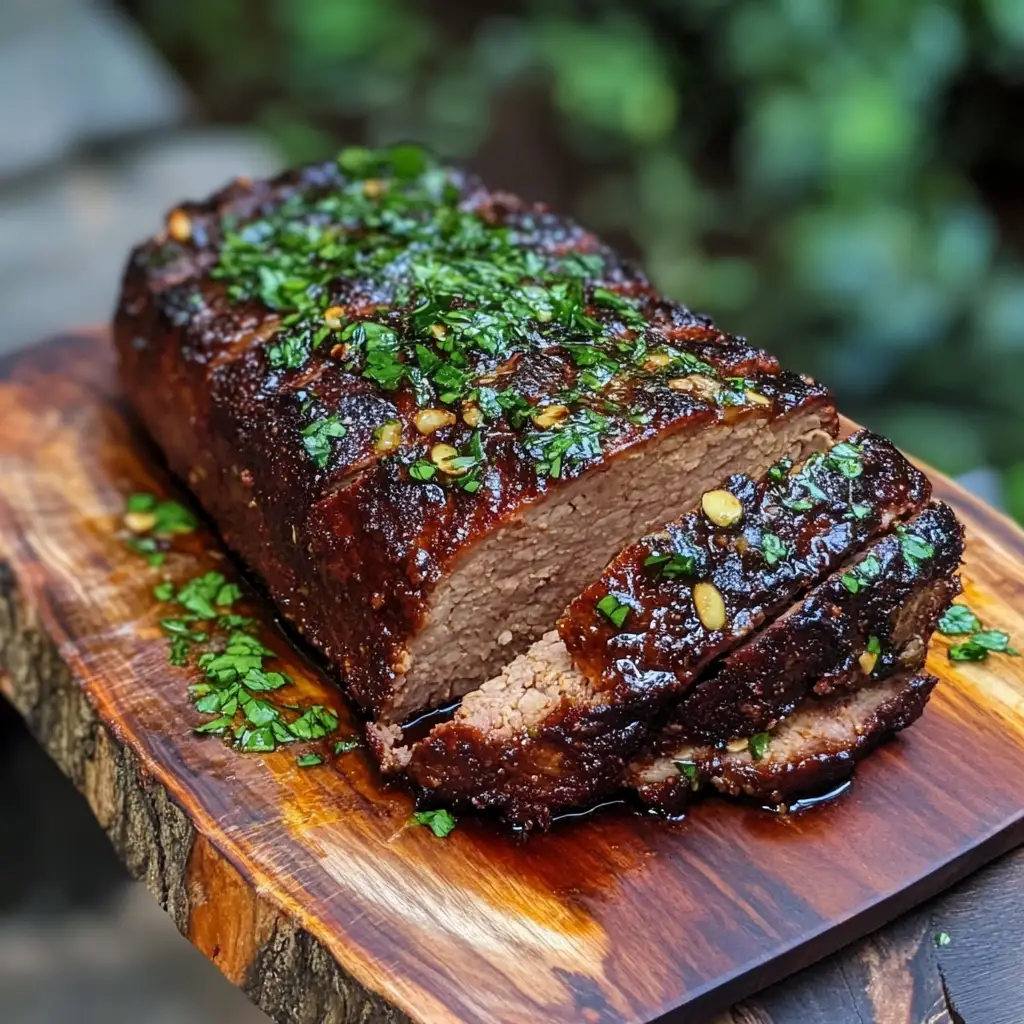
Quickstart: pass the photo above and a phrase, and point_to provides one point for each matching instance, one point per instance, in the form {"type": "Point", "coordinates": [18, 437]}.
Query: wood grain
{"type": "Point", "coordinates": [304, 887]}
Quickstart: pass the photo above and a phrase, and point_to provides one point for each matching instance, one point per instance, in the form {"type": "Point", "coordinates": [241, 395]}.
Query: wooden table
{"type": "Point", "coordinates": [902, 975]}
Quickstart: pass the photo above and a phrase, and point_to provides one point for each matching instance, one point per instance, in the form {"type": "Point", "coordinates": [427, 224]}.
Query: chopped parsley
{"type": "Point", "coordinates": [845, 458]}
{"type": "Point", "coordinates": [672, 566]}
{"type": "Point", "coordinates": [614, 610]}
{"type": "Point", "coordinates": [959, 620]}
{"type": "Point", "coordinates": [422, 470]}
{"type": "Point", "coordinates": [981, 644]}
{"type": "Point", "coordinates": [914, 549]}
{"type": "Point", "coordinates": [153, 523]}
{"type": "Point", "coordinates": [316, 438]}
{"type": "Point", "coordinates": [572, 444]}
{"type": "Point", "coordinates": [943, 939]}
{"type": "Point", "coordinates": [169, 517]}
{"type": "Point", "coordinates": [773, 549]}
{"type": "Point", "coordinates": [874, 645]}
{"type": "Point", "coordinates": [780, 471]}
{"type": "Point", "coordinates": [862, 575]}
{"type": "Point", "coordinates": [441, 823]}
{"type": "Point", "coordinates": [206, 634]}
{"type": "Point", "coordinates": [758, 744]}
{"type": "Point", "coordinates": [346, 746]}
{"type": "Point", "coordinates": [308, 760]}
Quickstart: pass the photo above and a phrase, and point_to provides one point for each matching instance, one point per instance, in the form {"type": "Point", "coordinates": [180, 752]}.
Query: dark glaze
{"type": "Point", "coordinates": [818, 770]}
{"type": "Point", "coordinates": [580, 750]}
{"type": "Point", "coordinates": [818, 646]}
{"type": "Point", "coordinates": [663, 637]}
{"type": "Point", "coordinates": [352, 551]}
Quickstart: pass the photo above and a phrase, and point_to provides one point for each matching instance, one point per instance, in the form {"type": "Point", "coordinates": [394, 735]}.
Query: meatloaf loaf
{"type": "Point", "coordinates": [427, 414]}
{"type": "Point", "coordinates": [557, 727]}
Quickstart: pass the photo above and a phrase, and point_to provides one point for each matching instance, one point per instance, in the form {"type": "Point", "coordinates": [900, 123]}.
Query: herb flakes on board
{"type": "Point", "coordinates": [206, 633]}
{"type": "Point", "coordinates": [440, 822]}
{"type": "Point", "coordinates": [959, 620]}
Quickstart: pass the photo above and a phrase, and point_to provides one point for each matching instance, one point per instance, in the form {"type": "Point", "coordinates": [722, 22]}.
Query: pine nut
{"type": "Point", "coordinates": [388, 436]}
{"type": "Point", "coordinates": [710, 605]}
{"type": "Point", "coordinates": [867, 661]}
{"type": "Point", "coordinates": [441, 455]}
{"type": "Point", "coordinates": [140, 522]}
{"type": "Point", "coordinates": [333, 317]}
{"type": "Point", "coordinates": [179, 225]}
{"type": "Point", "coordinates": [550, 416]}
{"type": "Point", "coordinates": [430, 420]}
{"type": "Point", "coordinates": [722, 508]}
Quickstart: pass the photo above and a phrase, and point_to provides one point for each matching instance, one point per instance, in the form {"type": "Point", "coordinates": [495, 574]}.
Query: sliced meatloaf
{"type": "Point", "coordinates": [870, 618]}
{"type": "Point", "coordinates": [425, 413]}
{"type": "Point", "coordinates": [548, 732]}
{"type": "Point", "coordinates": [807, 755]}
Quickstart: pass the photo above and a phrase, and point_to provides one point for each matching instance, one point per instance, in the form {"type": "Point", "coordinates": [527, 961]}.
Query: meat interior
{"type": "Point", "coordinates": [810, 752]}
{"type": "Point", "coordinates": [509, 589]}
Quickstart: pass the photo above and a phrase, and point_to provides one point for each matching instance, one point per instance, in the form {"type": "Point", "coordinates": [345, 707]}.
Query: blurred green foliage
{"type": "Point", "coordinates": [839, 180]}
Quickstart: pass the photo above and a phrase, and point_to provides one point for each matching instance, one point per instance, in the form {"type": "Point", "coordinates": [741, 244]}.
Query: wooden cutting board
{"type": "Point", "coordinates": [302, 884]}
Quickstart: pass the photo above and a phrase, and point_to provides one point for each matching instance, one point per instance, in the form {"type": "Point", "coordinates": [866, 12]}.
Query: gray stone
{"type": "Point", "coordinates": [72, 71]}
{"type": "Point", "coordinates": [64, 237]}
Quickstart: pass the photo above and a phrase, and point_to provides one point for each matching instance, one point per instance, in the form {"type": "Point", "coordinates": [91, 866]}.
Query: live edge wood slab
{"type": "Point", "coordinates": [302, 884]}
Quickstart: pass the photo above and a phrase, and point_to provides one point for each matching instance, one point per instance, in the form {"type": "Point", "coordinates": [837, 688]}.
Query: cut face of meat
{"type": "Point", "coordinates": [425, 414]}
{"type": "Point", "coordinates": [870, 618]}
{"type": "Point", "coordinates": [808, 754]}
{"type": "Point", "coordinates": [546, 734]}
{"type": "Point", "coordinates": [509, 588]}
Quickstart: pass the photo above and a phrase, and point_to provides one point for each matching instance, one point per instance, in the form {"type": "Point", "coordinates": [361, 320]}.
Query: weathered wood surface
{"type": "Point", "coordinates": [305, 889]}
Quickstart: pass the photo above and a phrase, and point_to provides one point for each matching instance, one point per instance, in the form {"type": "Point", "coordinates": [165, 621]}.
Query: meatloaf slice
{"type": "Point", "coordinates": [872, 617]}
{"type": "Point", "coordinates": [545, 734]}
{"type": "Point", "coordinates": [808, 755]}
{"type": "Point", "coordinates": [426, 413]}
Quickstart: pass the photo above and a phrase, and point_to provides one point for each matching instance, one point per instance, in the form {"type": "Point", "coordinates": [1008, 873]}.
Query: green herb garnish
{"type": "Point", "coordinates": [780, 471]}
{"type": "Point", "coordinates": [440, 822]}
{"type": "Point", "coordinates": [845, 458]}
{"type": "Point", "coordinates": [346, 746]}
{"type": "Point", "coordinates": [316, 438]}
{"type": "Point", "coordinates": [915, 549]}
{"type": "Point", "coordinates": [308, 760]}
{"type": "Point", "coordinates": [758, 744]}
{"type": "Point", "coordinates": [672, 566]}
{"type": "Point", "coordinates": [959, 620]}
{"type": "Point", "coordinates": [614, 610]}
{"type": "Point", "coordinates": [773, 549]}
{"type": "Point", "coordinates": [862, 574]}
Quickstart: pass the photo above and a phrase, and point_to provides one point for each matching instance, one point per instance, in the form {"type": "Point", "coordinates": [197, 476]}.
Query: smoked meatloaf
{"type": "Point", "coordinates": [427, 414]}
{"type": "Point", "coordinates": [653, 635]}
